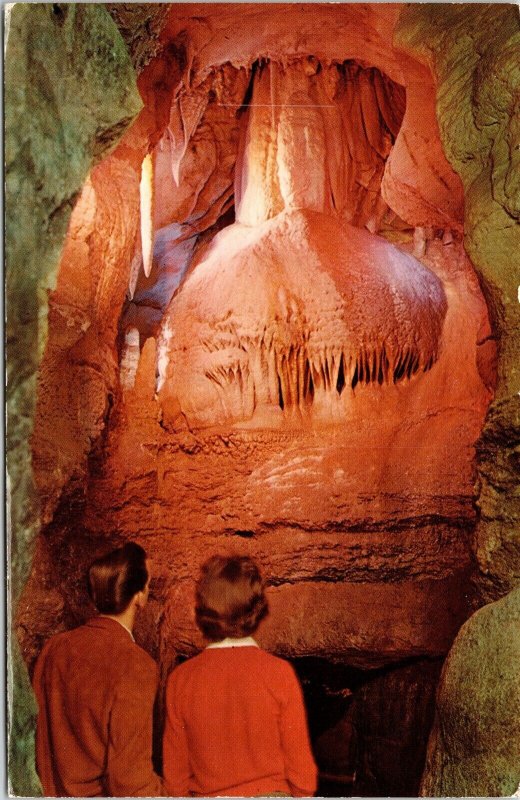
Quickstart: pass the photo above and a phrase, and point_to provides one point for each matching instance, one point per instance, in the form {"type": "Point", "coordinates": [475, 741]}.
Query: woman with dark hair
{"type": "Point", "coordinates": [235, 719]}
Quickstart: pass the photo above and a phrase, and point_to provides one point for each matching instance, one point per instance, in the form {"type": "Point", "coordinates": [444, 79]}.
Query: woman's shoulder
{"type": "Point", "coordinates": [272, 664]}
{"type": "Point", "coordinates": [274, 660]}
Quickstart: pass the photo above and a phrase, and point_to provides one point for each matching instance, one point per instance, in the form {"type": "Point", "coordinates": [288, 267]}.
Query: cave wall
{"type": "Point", "coordinates": [58, 124]}
{"type": "Point", "coordinates": [80, 365]}
{"type": "Point", "coordinates": [473, 748]}
{"type": "Point", "coordinates": [473, 58]}
{"type": "Point", "coordinates": [187, 492]}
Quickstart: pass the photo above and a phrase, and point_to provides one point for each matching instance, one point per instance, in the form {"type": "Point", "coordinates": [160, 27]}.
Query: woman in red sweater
{"type": "Point", "coordinates": [235, 718]}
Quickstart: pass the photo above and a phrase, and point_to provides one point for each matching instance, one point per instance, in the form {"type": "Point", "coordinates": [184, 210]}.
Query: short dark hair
{"type": "Point", "coordinates": [229, 597]}
{"type": "Point", "coordinates": [115, 578]}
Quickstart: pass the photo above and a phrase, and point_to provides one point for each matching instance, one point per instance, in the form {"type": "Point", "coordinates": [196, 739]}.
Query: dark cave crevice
{"type": "Point", "coordinates": [369, 728]}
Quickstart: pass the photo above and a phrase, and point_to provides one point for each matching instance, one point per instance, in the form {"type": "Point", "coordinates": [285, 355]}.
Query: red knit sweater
{"type": "Point", "coordinates": [236, 726]}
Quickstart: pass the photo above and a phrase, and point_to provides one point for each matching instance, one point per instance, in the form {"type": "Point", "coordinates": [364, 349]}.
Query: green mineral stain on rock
{"type": "Point", "coordinates": [473, 52]}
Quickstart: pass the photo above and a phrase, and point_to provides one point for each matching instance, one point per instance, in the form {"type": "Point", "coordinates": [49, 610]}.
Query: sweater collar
{"type": "Point", "coordinates": [246, 641]}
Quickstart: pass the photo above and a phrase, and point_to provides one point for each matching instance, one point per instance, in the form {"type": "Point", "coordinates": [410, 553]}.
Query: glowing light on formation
{"type": "Point", "coordinates": [146, 194]}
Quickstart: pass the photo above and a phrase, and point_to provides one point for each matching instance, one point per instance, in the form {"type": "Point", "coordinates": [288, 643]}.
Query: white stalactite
{"type": "Point", "coordinates": [146, 196]}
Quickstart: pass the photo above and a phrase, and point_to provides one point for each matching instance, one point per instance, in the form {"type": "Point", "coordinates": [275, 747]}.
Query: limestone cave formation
{"type": "Point", "coordinates": [262, 298]}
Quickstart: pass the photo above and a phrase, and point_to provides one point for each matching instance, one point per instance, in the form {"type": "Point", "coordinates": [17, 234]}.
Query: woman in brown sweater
{"type": "Point", "coordinates": [236, 723]}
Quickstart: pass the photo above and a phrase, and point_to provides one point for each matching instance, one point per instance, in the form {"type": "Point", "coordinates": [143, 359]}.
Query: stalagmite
{"type": "Point", "coordinates": [147, 226]}
{"type": "Point", "coordinates": [419, 242]}
{"type": "Point", "coordinates": [447, 237]}
{"type": "Point", "coordinates": [130, 359]}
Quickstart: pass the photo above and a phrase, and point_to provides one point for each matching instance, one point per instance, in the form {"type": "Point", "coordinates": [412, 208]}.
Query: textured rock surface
{"type": "Point", "coordinates": [363, 33]}
{"type": "Point", "coordinates": [79, 368]}
{"type": "Point", "coordinates": [295, 475]}
{"type": "Point", "coordinates": [292, 499]}
{"type": "Point", "coordinates": [140, 25]}
{"type": "Point", "coordinates": [58, 123]}
{"type": "Point", "coordinates": [364, 624]}
{"type": "Point", "coordinates": [473, 57]}
{"type": "Point", "coordinates": [418, 183]}
{"type": "Point", "coordinates": [287, 339]}
{"type": "Point", "coordinates": [474, 749]}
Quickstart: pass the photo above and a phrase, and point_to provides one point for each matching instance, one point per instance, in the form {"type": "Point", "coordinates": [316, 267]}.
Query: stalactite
{"type": "Point", "coordinates": [147, 229]}
{"type": "Point", "coordinates": [292, 376]}
{"type": "Point", "coordinates": [354, 114]}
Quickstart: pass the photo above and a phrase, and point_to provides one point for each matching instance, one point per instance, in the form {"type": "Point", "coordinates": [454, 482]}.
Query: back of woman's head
{"type": "Point", "coordinates": [230, 597]}
{"type": "Point", "coordinates": [115, 578]}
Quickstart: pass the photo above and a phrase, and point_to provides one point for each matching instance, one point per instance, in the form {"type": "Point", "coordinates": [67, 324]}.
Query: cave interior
{"type": "Point", "coordinates": [266, 337]}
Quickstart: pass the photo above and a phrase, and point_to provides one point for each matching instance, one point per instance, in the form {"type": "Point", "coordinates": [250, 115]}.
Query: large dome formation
{"type": "Point", "coordinates": [292, 303]}
{"type": "Point", "coordinates": [266, 334]}
{"type": "Point", "coordinates": [296, 314]}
